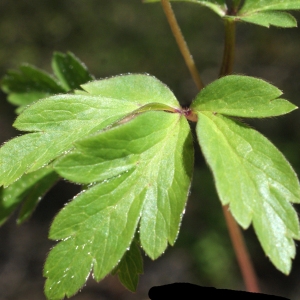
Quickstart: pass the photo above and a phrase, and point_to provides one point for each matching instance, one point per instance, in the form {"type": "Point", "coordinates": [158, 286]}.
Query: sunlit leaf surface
{"type": "Point", "coordinates": [242, 96]}
{"type": "Point", "coordinates": [59, 121]}
{"type": "Point", "coordinates": [98, 226]}
{"type": "Point", "coordinates": [257, 182]}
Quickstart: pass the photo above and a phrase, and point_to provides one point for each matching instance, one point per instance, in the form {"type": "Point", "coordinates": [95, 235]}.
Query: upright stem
{"type": "Point", "coordinates": [226, 69]}
{"type": "Point", "coordinates": [182, 45]}
{"type": "Point", "coordinates": [236, 4]}
{"type": "Point", "coordinates": [229, 46]}
{"type": "Point", "coordinates": [241, 252]}
{"type": "Point", "coordinates": [235, 233]}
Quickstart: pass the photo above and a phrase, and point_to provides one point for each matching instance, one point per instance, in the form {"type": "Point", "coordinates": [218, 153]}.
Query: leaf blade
{"type": "Point", "coordinates": [251, 176]}
{"type": "Point", "coordinates": [70, 70]}
{"type": "Point", "coordinates": [263, 5]}
{"type": "Point", "coordinates": [138, 88]}
{"type": "Point", "coordinates": [60, 120]}
{"type": "Point", "coordinates": [268, 18]}
{"type": "Point", "coordinates": [242, 96]}
{"type": "Point", "coordinates": [28, 85]}
{"type": "Point", "coordinates": [130, 267]}
{"type": "Point", "coordinates": [22, 189]}
{"type": "Point", "coordinates": [129, 196]}
{"type": "Point", "coordinates": [139, 141]}
{"type": "Point", "coordinates": [31, 152]}
{"type": "Point", "coordinates": [35, 194]}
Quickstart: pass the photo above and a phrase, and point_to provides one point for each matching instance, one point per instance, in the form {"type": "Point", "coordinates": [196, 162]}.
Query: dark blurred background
{"type": "Point", "coordinates": [122, 36]}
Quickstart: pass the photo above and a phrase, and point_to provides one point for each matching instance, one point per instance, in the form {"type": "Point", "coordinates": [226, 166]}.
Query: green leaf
{"type": "Point", "coordinates": [268, 18]}
{"type": "Point", "coordinates": [257, 182]}
{"type": "Point", "coordinates": [251, 6]}
{"type": "Point", "coordinates": [264, 12]}
{"type": "Point", "coordinates": [28, 85]}
{"type": "Point", "coordinates": [218, 6]}
{"type": "Point", "coordinates": [130, 266]}
{"type": "Point", "coordinates": [31, 152]}
{"type": "Point", "coordinates": [28, 189]}
{"type": "Point", "coordinates": [242, 96]}
{"type": "Point", "coordinates": [137, 88]}
{"type": "Point", "coordinates": [97, 165]}
{"type": "Point", "coordinates": [60, 120]}
{"type": "Point", "coordinates": [35, 194]}
{"type": "Point", "coordinates": [98, 226]}
{"type": "Point", "coordinates": [70, 70]}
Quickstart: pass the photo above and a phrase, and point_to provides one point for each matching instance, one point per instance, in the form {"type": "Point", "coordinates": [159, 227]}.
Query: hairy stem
{"type": "Point", "coordinates": [182, 45]}
{"type": "Point", "coordinates": [235, 233]}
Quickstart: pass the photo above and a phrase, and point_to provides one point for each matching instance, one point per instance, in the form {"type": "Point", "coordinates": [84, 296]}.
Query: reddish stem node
{"type": "Point", "coordinates": [188, 113]}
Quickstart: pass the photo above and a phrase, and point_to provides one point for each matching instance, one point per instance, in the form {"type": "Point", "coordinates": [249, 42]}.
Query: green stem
{"type": "Point", "coordinates": [235, 233]}
{"type": "Point", "coordinates": [229, 46]}
{"type": "Point", "coordinates": [182, 45]}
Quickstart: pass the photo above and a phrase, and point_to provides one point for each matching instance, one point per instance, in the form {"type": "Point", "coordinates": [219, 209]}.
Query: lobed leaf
{"type": "Point", "coordinates": [251, 6]}
{"type": "Point", "coordinates": [70, 71]}
{"type": "Point", "coordinates": [259, 12]}
{"type": "Point", "coordinates": [257, 182]}
{"type": "Point", "coordinates": [59, 121]}
{"type": "Point", "coordinates": [35, 194]}
{"type": "Point", "coordinates": [130, 266]}
{"type": "Point", "coordinates": [268, 18]}
{"type": "Point", "coordinates": [265, 12]}
{"type": "Point", "coordinates": [137, 88]}
{"type": "Point", "coordinates": [31, 152]}
{"type": "Point", "coordinates": [218, 6]}
{"type": "Point", "coordinates": [101, 222]}
{"type": "Point", "coordinates": [28, 189]}
{"type": "Point", "coordinates": [30, 84]}
{"type": "Point", "coordinates": [242, 96]}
